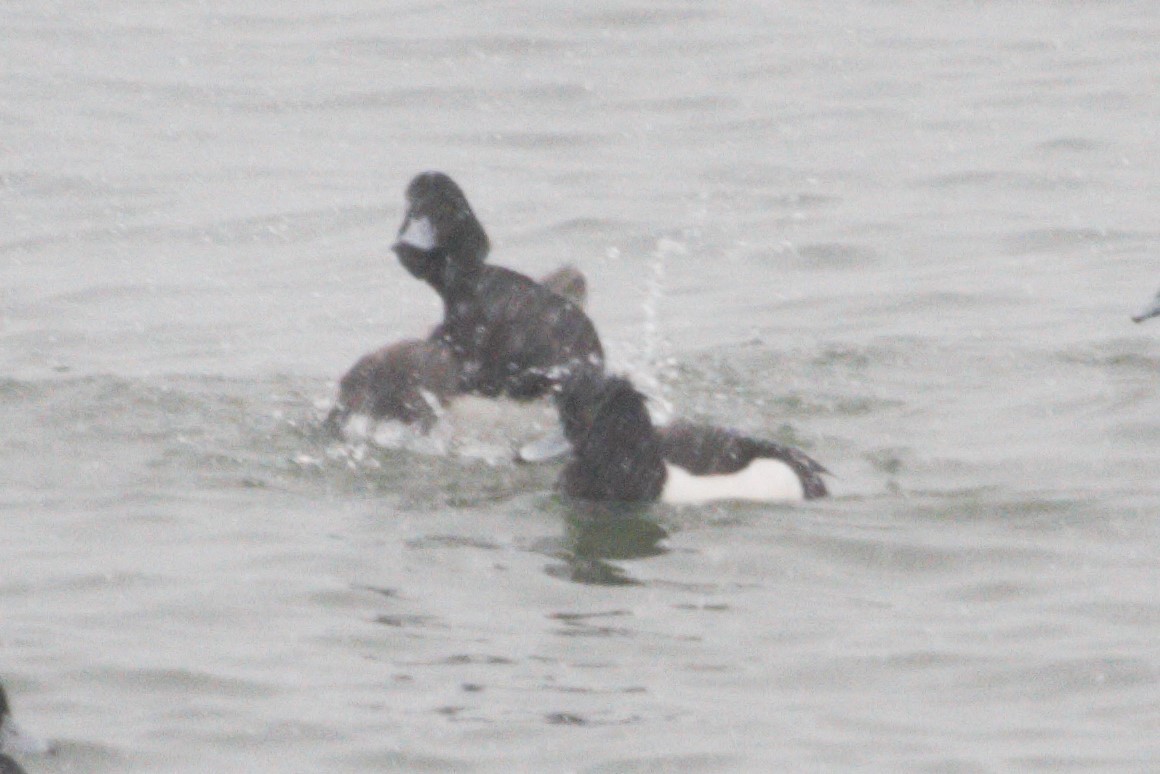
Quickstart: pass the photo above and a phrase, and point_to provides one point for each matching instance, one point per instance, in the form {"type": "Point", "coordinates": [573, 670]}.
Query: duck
{"type": "Point", "coordinates": [10, 766]}
{"type": "Point", "coordinates": [619, 455]}
{"type": "Point", "coordinates": [510, 335]}
{"type": "Point", "coordinates": [13, 739]}
{"type": "Point", "coordinates": [1150, 311]}
{"type": "Point", "coordinates": [413, 382]}
{"type": "Point", "coordinates": [409, 382]}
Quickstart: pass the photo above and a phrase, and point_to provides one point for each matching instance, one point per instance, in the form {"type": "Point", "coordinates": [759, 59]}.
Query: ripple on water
{"type": "Point", "coordinates": [987, 180]}
{"type": "Point", "coordinates": [836, 255]}
{"type": "Point", "coordinates": [1046, 240]}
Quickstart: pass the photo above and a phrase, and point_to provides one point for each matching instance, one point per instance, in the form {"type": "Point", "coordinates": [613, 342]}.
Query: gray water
{"type": "Point", "coordinates": [907, 238]}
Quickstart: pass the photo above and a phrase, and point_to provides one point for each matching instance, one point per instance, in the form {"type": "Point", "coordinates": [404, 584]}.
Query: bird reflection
{"type": "Point", "coordinates": [595, 533]}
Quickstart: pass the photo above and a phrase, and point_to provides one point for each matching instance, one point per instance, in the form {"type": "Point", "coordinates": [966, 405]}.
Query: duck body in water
{"type": "Point", "coordinates": [619, 455]}
{"type": "Point", "coordinates": [414, 382]}
{"type": "Point", "coordinates": [14, 739]}
{"type": "Point", "coordinates": [510, 335]}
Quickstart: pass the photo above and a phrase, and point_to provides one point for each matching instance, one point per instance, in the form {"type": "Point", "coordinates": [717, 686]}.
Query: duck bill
{"type": "Point", "coordinates": [420, 264]}
{"type": "Point", "coordinates": [552, 446]}
{"type": "Point", "coordinates": [1153, 310]}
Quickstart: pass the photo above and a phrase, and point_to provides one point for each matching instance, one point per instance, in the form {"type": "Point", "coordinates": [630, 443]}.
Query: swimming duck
{"type": "Point", "coordinates": [409, 381]}
{"type": "Point", "coordinates": [618, 454]}
{"type": "Point", "coordinates": [413, 381]}
{"type": "Point", "coordinates": [510, 335]}
{"type": "Point", "coordinates": [9, 766]}
{"type": "Point", "coordinates": [14, 739]}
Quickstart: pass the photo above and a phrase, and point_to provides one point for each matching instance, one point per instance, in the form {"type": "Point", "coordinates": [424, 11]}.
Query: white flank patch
{"type": "Point", "coordinates": [764, 480]}
{"type": "Point", "coordinates": [419, 233]}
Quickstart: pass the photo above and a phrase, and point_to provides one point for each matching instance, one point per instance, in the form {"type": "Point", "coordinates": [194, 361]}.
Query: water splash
{"type": "Point", "coordinates": [470, 427]}
{"type": "Point", "coordinates": [654, 366]}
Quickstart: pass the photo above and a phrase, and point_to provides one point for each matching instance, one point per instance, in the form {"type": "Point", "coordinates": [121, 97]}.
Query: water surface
{"type": "Point", "coordinates": [906, 239]}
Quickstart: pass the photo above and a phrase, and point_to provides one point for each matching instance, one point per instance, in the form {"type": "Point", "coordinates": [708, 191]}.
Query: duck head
{"type": "Point", "coordinates": [440, 235]}
{"type": "Point", "coordinates": [617, 454]}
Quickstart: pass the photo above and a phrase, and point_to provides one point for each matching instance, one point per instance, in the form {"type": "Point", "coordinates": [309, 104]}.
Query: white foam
{"type": "Point", "coordinates": [763, 480]}
{"type": "Point", "coordinates": [493, 429]}
{"type": "Point", "coordinates": [418, 233]}
{"type": "Point", "coordinates": [359, 430]}
{"type": "Point", "coordinates": [471, 426]}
